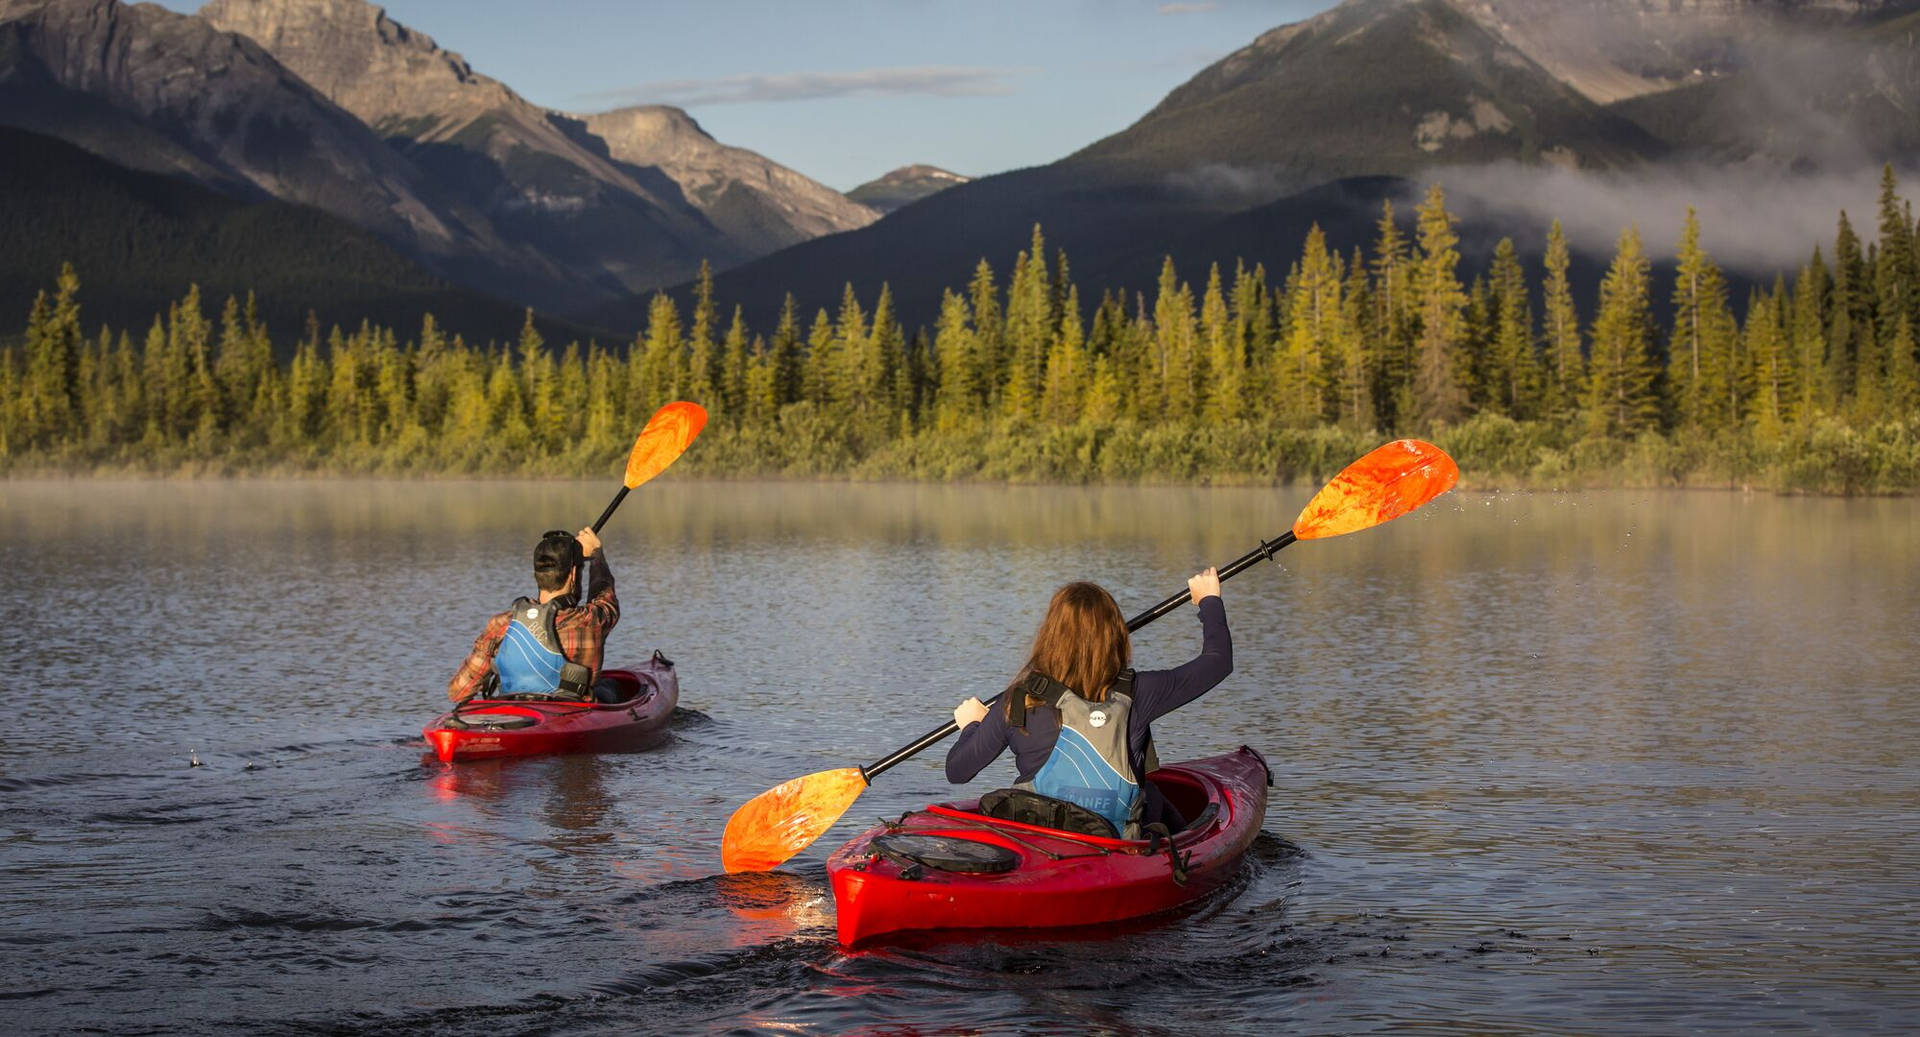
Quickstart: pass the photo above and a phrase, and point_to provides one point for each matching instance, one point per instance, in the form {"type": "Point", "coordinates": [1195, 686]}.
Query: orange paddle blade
{"type": "Point", "coordinates": [787, 818]}
{"type": "Point", "coordinates": [1380, 487]}
{"type": "Point", "coordinates": [666, 437]}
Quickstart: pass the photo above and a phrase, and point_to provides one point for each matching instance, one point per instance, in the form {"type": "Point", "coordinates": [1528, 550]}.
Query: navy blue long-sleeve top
{"type": "Point", "coordinates": [1155, 694]}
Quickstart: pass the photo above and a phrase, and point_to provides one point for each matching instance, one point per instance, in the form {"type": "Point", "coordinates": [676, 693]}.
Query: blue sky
{"type": "Point", "coordinates": [844, 90]}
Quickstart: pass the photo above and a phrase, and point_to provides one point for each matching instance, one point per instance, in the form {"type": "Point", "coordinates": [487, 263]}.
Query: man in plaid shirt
{"type": "Point", "coordinates": [580, 629]}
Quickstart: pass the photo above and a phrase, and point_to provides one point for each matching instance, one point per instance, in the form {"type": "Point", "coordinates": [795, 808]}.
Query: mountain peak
{"type": "Point", "coordinates": [366, 62]}
{"type": "Point", "coordinates": [740, 190]}
{"type": "Point", "coordinates": [920, 171]}
{"type": "Point", "coordinates": [657, 124]}
{"type": "Point", "coordinates": [904, 186]}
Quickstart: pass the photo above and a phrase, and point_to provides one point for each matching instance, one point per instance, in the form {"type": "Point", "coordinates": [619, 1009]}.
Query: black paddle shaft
{"type": "Point", "coordinates": [580, 574]}
{"type": "Point", "coordinates": [612, 504]}
{"type": "Point", "coordinates": [936, 736]}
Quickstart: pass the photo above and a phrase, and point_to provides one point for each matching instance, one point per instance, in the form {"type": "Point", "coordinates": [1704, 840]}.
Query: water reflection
{"type": "Point", "coordinates": [1644, 760]}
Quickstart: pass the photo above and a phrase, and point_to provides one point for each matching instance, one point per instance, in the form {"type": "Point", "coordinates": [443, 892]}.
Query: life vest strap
{"type": "Point", "coordinates": [1046, 689]}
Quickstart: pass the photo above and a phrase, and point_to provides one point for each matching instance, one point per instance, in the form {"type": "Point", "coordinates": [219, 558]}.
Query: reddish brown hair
{"type": "Point", "coordinates": [1082, 642]}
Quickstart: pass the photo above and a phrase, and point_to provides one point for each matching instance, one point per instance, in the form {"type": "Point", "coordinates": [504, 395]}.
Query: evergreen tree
{"type": "Point", "coordinates": [1300, 381]}
{"type": "Point", "coordinates": [605, 387]}
{"type": "Point", "coordinates": [784, 357]}
{"type": "Point", "coordinates": [989, 329]}
{"type": "Point", "coordinates": [1067, 366]}
{"type": "Point", "coordinates": [342, 420]}
{"type": "Point", "coordinates": [570, 401]}
{"type": "Point", "coordinates": [703, 361]}
{"type": "Point", "coordinates": [393, 387]}
{"type": "Point", "coordinates": [1767, 343]}
{"type": "Point", "coordinates": [1621, 398]}
{"type": "Point", "coordinates": [1030, 326]}
{"type": "Point", "coordinates": [912, 377]}
{"type": "Point", "coordinates": [1702, 367]}
{"type": "Point", "coordinates": [1849, 312]}
{"type": "Point", "coordinates": [1392, 325]}
{"type": "Point", "coordinates": [762, 390]}
{"type": "Point", "coordinates": [1176, 347]}
{"type": "Point", "coordinates": [1440, 304]}
{"type": "Point", "coordinates": [1477, 375]}
{"type": "Point", "coordinates": [10, 398]}
{"type": "Point", "coordinates": [878, 395]}
{"type": "Point", "coordinates": [1226, 359]}
{"type": "Point", "coordinates": [1896, 274]}
{"type": "Point", "coordinates": [1355, 364]}
{"type": "Point", "coordinates": [546, 421]}
{"type": "Point", "coordinates": [1566, 362]}
{"type": "Point", "coordinates": [46, 399]}
{"type": "Point", "coordinates": [844, 366]}
{"type": "Point", "coordinates": [1515, 382]}
{"type": "Point", "coordinates": [662, 357]}
{"type": "Point", "coordinates": [1809, 341]}
{"type": "Point", "coordinates": [1252, 333]}
{"type": "Point", "coordinates": [1903, 373]}
{"type": "Point", "coordinates": [431, 365]}
{"type": "Point", "coordinates": [506, 403]}
{"type": "Point", "coordinates": [818, 369]}
{"type": "Point", "coordinates": [471, 418]}
{"type": "Point", "coordinates": [961, 393]}
{"type": "Point", "coordinates": [735, 365]}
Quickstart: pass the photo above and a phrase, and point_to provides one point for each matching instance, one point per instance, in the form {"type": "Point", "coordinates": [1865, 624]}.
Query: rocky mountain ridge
{"type": "Point", "coordinates": [332, 103]}
{"type": "Point", "coordinates": [640, 210]}
{"type": "Point", "coordinates": [748, 196]}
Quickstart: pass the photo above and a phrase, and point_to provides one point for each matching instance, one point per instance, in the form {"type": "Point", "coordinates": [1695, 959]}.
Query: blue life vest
{"type": "Point", "coordinates": [1090, 765]}
{"type": "Point", "coordinates": [528, 659]}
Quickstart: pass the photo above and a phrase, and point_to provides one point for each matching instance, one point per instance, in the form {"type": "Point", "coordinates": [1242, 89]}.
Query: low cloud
{"type": "Point", "coordinates": [923, 81]}
{"type": "Point", "coordinates": [1199, 8]}
{"type": "Point", "coordinates": [1229, 186]}
{"type": "Point", "coordinates": [1754, 220]}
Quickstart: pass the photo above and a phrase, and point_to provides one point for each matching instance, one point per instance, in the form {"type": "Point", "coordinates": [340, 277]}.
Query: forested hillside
{"type": "Point", "coordinates": [1243, 375]}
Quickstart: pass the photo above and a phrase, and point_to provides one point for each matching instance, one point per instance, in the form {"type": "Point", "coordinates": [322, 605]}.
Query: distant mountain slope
{"type": "Point", "coordinates": [1371, 87]}
{"type": "Point", "coordinates": [152, 89]}
{"type": "Point", "coordinates": [1831, 100]}
{"type": "Point", "coordinates": [758, 204]}
{"type": "Point", "coordinates": [904, 186]}
{"type": "Point", "coordinates": [139, 239]}
{"type": "Point", "coordinates": [1374, 90]}
{"type": "Point", "coordinates": [482, 142]}
{"type": "Point", "coordinates": [1611, 50]}
{"type": "Point", "coordinates": [624, 215]}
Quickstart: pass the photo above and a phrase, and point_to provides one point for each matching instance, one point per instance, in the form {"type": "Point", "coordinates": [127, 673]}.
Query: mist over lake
{"type": "Point", "coordinates": [1621, 762]}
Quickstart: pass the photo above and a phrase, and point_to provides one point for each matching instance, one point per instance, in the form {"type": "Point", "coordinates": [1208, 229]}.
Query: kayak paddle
{"type": "Point", "coordinates": [667, 435]}
{"type": "Point", "coordinates": [1380, 487]}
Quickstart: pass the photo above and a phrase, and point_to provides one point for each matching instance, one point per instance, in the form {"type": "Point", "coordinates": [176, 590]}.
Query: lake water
{"type": "Point", "coordinates": [1604, 763]}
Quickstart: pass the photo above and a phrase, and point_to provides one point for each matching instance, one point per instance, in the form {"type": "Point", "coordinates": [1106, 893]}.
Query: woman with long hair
{"type": "Point", "coordinates": [1078, 720]}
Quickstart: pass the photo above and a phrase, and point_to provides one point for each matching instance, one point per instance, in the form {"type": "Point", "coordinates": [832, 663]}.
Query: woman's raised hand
{"type": "Point", "coordinates": [972, 711]}
{"type": "Point", "coordinates": [1204, 584]}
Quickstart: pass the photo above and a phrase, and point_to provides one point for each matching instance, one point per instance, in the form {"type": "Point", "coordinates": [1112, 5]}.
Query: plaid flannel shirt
{"type": "Point", "coordinates": [582, 631]}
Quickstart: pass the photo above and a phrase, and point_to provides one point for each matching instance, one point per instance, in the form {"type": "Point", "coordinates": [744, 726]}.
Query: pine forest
{"type": "Point", "coordinates": [1810, 384]}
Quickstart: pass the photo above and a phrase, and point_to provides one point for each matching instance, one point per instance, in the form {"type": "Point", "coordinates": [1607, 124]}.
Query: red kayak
{"type": "Point", "coordinates": [486, 728]}
{"type": "Point", "coordinates": [950, 867]}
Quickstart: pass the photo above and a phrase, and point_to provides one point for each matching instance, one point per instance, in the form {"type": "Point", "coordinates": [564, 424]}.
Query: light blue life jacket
{"type": "Point", "coordinates": [1089, 765]}
{"type": "Point", "coordinates": [529, 658]}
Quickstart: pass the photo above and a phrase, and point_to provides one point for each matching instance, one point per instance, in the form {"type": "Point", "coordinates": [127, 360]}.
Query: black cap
{"type": "Point", "coordinates": [558, 552]}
